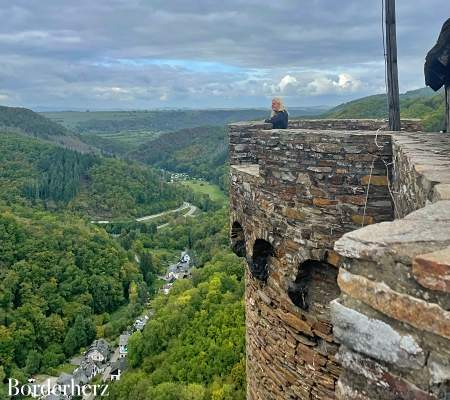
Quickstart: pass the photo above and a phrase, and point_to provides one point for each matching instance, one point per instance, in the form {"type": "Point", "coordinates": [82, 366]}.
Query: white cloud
{"type": "Point", "coordinates": [344, 83]}
{"type": "Point", "coordinates": [4, 97]}
{"type": "Point", "coordinates": [286, 82]}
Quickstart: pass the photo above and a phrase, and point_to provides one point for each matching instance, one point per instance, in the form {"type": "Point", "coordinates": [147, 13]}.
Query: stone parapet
{"type": "Point", "coordinates": [421, 170]}
{"type": "Point", "coordinates": [316, 280]}
{"type": "Point", "coordinates": [393, 317]}
{"type": "Point", "coordinates": [243, 145]}
{"type": "Point", "coordinates": [408, 125]}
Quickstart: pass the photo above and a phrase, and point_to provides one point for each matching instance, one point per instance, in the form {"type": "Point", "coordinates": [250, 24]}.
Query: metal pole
{"type": "Point", "coordinates": [447, 108]}
{"type": "Point", "coordinates": [392, 67]}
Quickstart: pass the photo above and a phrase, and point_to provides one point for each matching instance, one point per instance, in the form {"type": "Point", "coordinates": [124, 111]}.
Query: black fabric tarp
{"type": "Point", "coordinates": [437, 65]}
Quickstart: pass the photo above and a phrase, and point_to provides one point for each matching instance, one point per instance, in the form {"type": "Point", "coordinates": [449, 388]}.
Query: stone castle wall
{"type": "Point", "coordinates": [295, 194]}
{"type": "Point", "coordinates": [243, 141]}
{"type": "Point", "coordinates": [393, 317]}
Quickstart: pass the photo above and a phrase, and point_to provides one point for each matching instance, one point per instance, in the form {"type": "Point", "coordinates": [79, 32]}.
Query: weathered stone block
{"type": "Point", "coordinates": [375, 180]}
{"type": "Point", "coordinates": [379, 376]}
{"type": "Point", "coordinates": [333, 258]}
{"type": "Point", "coordinates": [358, 200]}
{"type": "Point", "coordinates": [321, 202]}
{"type": "Point", "coordinates": [295, 322]}
{"type": "Point", "coordinates": [375, 338]}
{"type": "Point", "coordinates": [293, 213]}
{"type": "Point", "coordinates": [363, 219]}
{"type": "Point", "coordinates": [404, 238]}
{"type": "Point", "coordinates": [402, 307]}
{"type": "Point", "coordinates": [439, 368]}
{"type": "Point", "coordinates": [432, 270]}
{"type": "Point", "coordinates": [322, 170]}
{"type": "Point", "coordinates": [441, 192]}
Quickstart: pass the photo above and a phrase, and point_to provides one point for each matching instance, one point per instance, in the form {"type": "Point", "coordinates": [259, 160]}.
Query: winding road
{"type": "Point", "coordinates": [184, 206]}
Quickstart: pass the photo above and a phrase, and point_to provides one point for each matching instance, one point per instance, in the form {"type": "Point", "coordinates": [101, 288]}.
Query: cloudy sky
{"type": "Point", "coordinates": [128, 54]}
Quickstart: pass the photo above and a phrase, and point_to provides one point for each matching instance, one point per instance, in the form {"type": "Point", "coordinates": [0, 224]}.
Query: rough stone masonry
{"type": "Point", "coordinates": [346, 232]}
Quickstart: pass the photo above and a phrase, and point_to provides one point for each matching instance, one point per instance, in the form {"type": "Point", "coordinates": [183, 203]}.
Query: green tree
{"type": "Point", "coordinates": [33, 363]}
{"type": "Point", "coordinates": [71, 342]}
{"type": "Point", "coordinates": [135, 347]}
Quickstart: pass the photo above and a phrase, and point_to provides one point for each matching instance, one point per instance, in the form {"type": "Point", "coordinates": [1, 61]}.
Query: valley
{"type": "Point", "coordinates": [94, 209]}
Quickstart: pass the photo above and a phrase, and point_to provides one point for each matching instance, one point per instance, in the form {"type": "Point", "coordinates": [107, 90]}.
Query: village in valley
{"type": "Point", "coordinates": [102, 362]}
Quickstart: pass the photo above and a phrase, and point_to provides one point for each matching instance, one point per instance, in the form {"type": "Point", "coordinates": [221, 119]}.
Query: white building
{"type": "Point", "coordinates": [99, 351]}
{"type": "Point", "coordinates": [117, 369]}
{"type": "Point", "coordinates": [123, 345]}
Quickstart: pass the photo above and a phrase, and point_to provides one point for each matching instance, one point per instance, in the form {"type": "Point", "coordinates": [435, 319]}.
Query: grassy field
{"type": "Point", "coordinates": [213, 191]}
{"type": "Point", "coordinates": [71, 119]}
{"type": "Point", "coordinates": [119, 142]}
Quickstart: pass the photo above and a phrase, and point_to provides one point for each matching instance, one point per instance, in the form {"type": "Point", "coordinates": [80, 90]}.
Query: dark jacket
{"type": "Point", "coordinates": [279, 120]}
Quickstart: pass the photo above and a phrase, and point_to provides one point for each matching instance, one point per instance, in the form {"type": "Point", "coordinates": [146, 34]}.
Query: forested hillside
{"type": "Point", "coordinates": [31, 123]}
{"type": "Point", "coordinates": [27, 122]}
{"type": "Point", "coordinates": [40, 174]}
{"type": "Point", "coordinates": [56, 274]}
{"type": "Point", "coordinates": [193, 347]}
{"type": "Point", "coordinates": [62, 278]}
{"type": "Point", "coordinates": [200, 152]}
{"type": "Point", "coordinates": [114, 188]}
{"type": "Point", "coordinates": [423, 103]}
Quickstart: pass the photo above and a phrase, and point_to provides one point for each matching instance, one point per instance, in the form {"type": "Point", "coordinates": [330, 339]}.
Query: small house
{"type": "Point", "coordinates": [117, 369]}
{"type": "Point", "coordinates": [99, 351]}
{"type": "Point", "coordinates": [123, 345]}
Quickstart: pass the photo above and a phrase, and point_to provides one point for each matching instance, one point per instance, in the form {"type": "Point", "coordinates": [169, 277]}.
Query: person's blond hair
{"type": "Point", "coordinates": [279, 100]}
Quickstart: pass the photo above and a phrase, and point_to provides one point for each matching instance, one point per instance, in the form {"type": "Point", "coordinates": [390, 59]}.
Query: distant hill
{"type": "Point", "coordinates": [160, 120]}
{"type": "Point", "coordinates": [27, 122]}
{"type": "Point", "coordinates": [201, 152]}
{"type": "Point", "coordinates": [421, 103]}
{"type": "Point", "coordinates": [30, 122]}
{"type": "Point", "coordinates": [120, 132]}
{"type": "Point", "coordinates": [39, 174]}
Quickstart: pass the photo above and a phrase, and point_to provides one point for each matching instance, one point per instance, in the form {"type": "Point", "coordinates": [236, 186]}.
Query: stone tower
{"type": "Point", "coordinates": [333, 310]}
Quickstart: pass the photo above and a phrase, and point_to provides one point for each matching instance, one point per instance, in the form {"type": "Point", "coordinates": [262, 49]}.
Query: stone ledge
{"type": "Point", "coordinates": [422, 169]}
{"type": "Point", "coordinates": [250, 124]}
{"type": "Point", "coordinates": [432, 270]}
{"type": "Point", "coordinates": [441, 192]}
{"type": "Point", "coordinates": [422, 232]}
{"type": "Point", "coordinates": [410, 125]}
{"type": "Point", "coordinates": [248, 169]}
{"type": "Point", "coordinates": [437, 212]}
{"type": "Point", "coordinates": [418, 313]}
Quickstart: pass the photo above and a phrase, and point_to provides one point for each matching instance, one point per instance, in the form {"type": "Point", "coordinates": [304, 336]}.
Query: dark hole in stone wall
{"type": "Point", "coordinates": [443, 391]}
{"type": "Point", "coordinates": [314, 287]}
{"type": "Point", "coordinates": [259, 264]}
{"type": "Point", "coordinates": [238, 240]}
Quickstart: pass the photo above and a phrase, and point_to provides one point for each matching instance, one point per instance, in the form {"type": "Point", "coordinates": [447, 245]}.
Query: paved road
{"type": "Point", "coordinates": [149, 217]}
{"type": "Point", "coordinates": [184, 206]}
{"type": "Point", "coordinates": [190, 213]}
{"type": "Point", "coordinates": [114, 358]}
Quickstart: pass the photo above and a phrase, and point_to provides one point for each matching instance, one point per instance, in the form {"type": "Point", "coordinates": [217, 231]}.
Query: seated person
{"type": "Point", "coordinates": [279, 117]}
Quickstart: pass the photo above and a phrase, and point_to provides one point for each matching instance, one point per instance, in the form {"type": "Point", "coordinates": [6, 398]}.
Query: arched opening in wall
{"type": "Point", "coordinates": [259, 265]}
{"type": "Point", "coordinates": [238, 240]}
{"type": "Point", "coordinates": [314, 287]}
